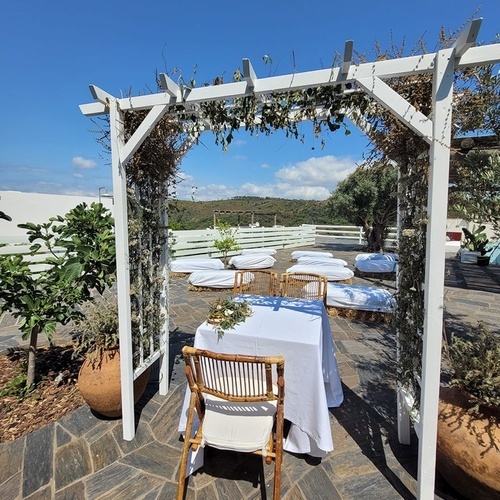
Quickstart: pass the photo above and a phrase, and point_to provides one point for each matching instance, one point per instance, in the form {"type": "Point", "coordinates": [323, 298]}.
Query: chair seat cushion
{"type": "Point", "coordinates": [236, 426]}
{"type": "Point", "coordinates": [320, 260]}
{"type": "Point", "coordinates": [188, 265]}
{"type": "Point", "coordinates": [332, 273]}
{"type": "Point", "coordinates": [362, 298]}
{"type": "Point", "coordinates": [212, 279]}
{"type": "Point", "coordinates": [252, 261]}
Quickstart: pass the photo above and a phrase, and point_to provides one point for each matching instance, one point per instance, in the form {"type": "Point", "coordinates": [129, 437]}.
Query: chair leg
{"type": "Point", "coordinates": [185, 449]}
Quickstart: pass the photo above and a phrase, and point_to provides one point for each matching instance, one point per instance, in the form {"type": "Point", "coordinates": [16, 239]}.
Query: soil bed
{"type": "Point", "coordinates": [55, 395]}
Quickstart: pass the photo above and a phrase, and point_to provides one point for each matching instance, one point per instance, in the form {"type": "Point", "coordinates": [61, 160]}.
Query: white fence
{"type": "Point", "coordinates": [200, 243]}
{"type": "Point", "coordinates": [351, 233]}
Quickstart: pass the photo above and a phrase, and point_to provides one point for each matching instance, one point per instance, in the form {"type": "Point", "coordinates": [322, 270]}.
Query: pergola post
{"type": "Point", "coordinates": [122, 269]}
{"type": "Point", "coordinates": [437, 210]}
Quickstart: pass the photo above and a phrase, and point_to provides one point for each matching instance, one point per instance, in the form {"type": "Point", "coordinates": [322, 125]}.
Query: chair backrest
{"type": "Point", "coordinates": [304, 286]}
{"type": "Point", "coordinates": [256, 282]}
{"type": "Point", "coordinates": [234, 377]}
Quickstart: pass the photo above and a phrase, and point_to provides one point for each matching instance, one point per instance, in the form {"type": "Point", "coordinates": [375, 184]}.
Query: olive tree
{"type": "Point", "coordinates": [368, 197]}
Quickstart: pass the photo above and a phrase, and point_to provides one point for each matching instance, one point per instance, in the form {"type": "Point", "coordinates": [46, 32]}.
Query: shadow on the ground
{"type": "Point", "coordinates": [472, 276]}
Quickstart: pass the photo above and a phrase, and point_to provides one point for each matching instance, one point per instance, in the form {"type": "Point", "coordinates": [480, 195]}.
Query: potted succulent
{"type": "Point", "coordinates": [476, 242]}
{"type": "Point", "coordinates": [99, 379]}
{"type": "Point", "coordinates": [468, 441]}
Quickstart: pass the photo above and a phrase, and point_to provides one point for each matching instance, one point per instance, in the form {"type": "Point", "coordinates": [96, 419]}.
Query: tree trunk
{"type": "Point", "coordinates": [374, 236]}
{"type": "Point", "coordinates": [32, 357]}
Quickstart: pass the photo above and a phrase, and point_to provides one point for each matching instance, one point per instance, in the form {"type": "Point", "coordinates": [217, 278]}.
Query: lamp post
{"type": "Point", "coordinates": [102, 187]}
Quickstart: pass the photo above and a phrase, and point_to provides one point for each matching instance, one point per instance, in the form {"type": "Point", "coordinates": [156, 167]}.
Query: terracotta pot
{"type": "Point", "coordinates": [99, 384]}
{"type": "Point", "coordinates": [468, 446]}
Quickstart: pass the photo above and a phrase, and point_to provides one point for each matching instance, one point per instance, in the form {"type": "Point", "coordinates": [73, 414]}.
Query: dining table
{"type": "Point", "coordinates": [299, 330]}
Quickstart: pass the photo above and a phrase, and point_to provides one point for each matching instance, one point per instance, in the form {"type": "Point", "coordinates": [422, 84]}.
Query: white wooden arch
{"type": "Point", "coordinates": [434, 129]}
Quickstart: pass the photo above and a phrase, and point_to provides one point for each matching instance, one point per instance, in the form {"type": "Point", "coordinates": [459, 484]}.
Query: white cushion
{"type": "Point", "coordinates": [376, 256]}
{"type": "Point", "coordinates": [332, 273]}
{"type": "Point", "coordinates": [268, 251]}
{"type": "Point", "coordinates": [234, 426]}
{"type": "Point", "coordinates": [313, 260]}
{"type": "Point", "coordinates": [252, 261]}
{"type": "Point", "coordinates": [376, 266]}
{"type": "Point", "coordinates": [363, 298]}
{"type": "Point", "coordinates": [315, 253]}
{"type": "Point", "coordinates": [212, 279]}
{"type": "Point", "coordinates": [188, 264]}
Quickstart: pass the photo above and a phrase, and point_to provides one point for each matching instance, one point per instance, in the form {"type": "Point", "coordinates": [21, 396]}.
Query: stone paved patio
{"type": "Point", "coordinates": [83, 456]}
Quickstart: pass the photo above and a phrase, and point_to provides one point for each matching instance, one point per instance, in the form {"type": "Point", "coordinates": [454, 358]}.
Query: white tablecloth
{"type": "Point", "coordinates": [299, 330]}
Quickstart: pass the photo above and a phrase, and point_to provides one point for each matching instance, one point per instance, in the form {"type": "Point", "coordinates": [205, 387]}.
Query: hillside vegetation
{"type": "Point", "coordinates": [200, 214]}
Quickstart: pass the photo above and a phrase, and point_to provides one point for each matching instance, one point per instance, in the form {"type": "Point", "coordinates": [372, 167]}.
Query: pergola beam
{"type": "Point", "coordinates": [398, 106]}
{"type": "Point", "coordinates": [249, 74]}
{"type": "Point", "coordinates": [169, 86]}
{"type": "Point", "coordinates": [349, 44]}
{"type": "Point", "coordinates": [467, 38]}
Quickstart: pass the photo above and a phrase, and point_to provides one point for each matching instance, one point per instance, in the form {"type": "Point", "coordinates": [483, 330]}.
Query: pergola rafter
{"type": "Point", "coordinates": [434, 129]}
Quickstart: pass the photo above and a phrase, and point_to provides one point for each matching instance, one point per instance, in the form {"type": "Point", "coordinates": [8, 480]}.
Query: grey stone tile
{"type": "Point", "coordinates": [38, 456]}
{"type": "Point", "coordinates": [11, 458]}
{"type": "Point", "coordinates": [81, 421]}
{"type": "Point", "coordinates": [72, 462]}
{"type": "Point", "coordinates": [104, 451]}
{"type": "Point", "coordinates": [74, 492]}
{"type": "Point", "coordinates": [154, 458]}
{"type": "Point", "coordinates": [42, 494]}
{"type": "Point", "coordinates": [143, 436]}
{"type": "Point", "coordinates": [62, 437]}
{"type": "Point", "coordinates": [317, 483]}
{"type": "Point", "coordinates": [138, 487]}
{"type": "Point", "coordinates": [11, 488]}
{"type": "Point", "coordinates": [108, 478]}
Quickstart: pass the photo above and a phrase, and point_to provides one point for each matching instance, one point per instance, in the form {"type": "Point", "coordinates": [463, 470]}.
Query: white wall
{"type": "Point", "coordinates": [36, 208]}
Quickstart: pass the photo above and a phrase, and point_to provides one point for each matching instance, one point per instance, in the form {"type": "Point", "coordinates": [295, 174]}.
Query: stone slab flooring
{"type": "Point", "coordinates": [84, 457]}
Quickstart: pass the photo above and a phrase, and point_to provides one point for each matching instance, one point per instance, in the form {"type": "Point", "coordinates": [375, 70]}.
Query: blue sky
{"type": "Point", "coordinates": [51, 51]}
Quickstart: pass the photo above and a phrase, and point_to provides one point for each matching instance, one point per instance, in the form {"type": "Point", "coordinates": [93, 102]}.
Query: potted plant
{"type": "Point", "coordinates": [99, 379]}
{"type": "Point", "coordinates": [476, 241]}
{"type": "Point", "coordinates": [468, 441]}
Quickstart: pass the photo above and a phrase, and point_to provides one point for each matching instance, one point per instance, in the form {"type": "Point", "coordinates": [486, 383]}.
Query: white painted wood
{"type": "Point", "coordinates": [143, 131]}
{"type": "Point", "coordinates": [399, 107]}
{"type": "Point", "coordinates": [249, 74]}
{"type": "Point", "coordinates": [467, 38]}
{"type": "Point", "coordinates": [100, 95]}
{"type": "Point", "coordinates": [169, 86]}
{"type": "Point", "coordinates": [434, 268]}
{"type": "Point", "coordinates": [122, 271]}
{"type": "Point", "coordinates": [348, 47]}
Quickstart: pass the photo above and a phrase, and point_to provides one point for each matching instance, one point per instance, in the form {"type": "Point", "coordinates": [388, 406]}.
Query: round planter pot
{"type": "Point", "coordinates": [99, 384]}
{"type": "Point", "coordinates": [468, 457]}
{"type": "Point", "coordinates": [483, 260]}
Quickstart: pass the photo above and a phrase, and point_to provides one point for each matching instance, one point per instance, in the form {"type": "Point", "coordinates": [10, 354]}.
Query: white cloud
{"type": "Point", "coordinates": [312, 179]}
{"type": "Point", "coordinates": [83, 163]}
{"type": "Point", "coordinates": [239, 157]}
{"type": "Point", "coordinates": [78, 175]}
{"type": "Point", "coordinates": [265, 166]}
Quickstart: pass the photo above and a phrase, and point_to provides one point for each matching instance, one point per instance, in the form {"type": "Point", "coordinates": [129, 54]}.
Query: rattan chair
{"type": "Point", "coordinates": [304, 286]}
{"type": "Point", "coordinates": [252, 423]}
{"type": "Point", "coordinates": [256, 282]}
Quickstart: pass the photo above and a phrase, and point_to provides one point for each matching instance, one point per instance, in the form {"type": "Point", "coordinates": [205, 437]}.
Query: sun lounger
{"type": "Point", "coordinates": [252, 261]}
{"type": "Point", "coordinates": [332, 273]}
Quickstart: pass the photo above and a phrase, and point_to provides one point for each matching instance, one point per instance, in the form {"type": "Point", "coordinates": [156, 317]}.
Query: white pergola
{"type": "Point", "coordinates": [434, 129]}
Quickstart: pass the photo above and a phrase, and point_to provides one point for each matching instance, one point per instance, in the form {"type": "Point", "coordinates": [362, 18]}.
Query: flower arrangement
{"type": "Point", "coordinates": [224, 314]}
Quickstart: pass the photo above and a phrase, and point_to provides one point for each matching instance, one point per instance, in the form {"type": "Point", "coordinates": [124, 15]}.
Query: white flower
{"type": "Point", "coordinates": [219, 307]}
{"type": "Point", "coordinates": [228, 312]}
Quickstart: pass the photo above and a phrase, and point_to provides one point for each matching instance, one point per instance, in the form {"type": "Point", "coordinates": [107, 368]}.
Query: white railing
{"type": "Point", "coordinates": [200, 243]}
{"type": "Point", "coordinates": [351, 233]}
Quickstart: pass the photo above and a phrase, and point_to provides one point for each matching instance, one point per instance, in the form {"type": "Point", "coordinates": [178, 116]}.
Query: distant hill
{"type": "Point", "coordinates": [200, 214]}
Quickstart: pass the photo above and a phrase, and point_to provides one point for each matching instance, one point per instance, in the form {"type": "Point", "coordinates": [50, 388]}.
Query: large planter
{"type": "Point", "coordinates": [468, 446]}
{"type": "Point", "coordinates": [99, 384]}
{"type": "Point", "coordinates": [483, 260]}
